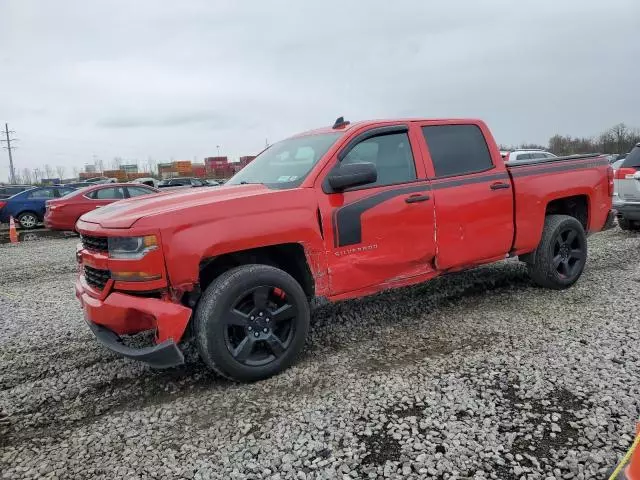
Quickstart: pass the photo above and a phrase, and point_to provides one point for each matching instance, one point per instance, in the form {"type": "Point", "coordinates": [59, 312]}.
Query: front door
{"type": "Point", "coordinates": [382, 233]}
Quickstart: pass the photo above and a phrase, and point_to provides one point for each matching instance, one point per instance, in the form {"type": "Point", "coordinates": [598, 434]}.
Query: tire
{"type": "Point", "coordinates": [251, 322]}
{"type": "Point", "coordinates": [28, 220]}
{"type": "Point", "coordinates": [627, 225]}
{"type": "Point", "coordinates": [561, 255]}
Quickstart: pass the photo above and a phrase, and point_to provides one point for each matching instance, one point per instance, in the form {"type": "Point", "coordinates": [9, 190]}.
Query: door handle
{"type": "Point", "coordinates": [499, 186]}
{"type": "Point", "coordinates": [417, 198]}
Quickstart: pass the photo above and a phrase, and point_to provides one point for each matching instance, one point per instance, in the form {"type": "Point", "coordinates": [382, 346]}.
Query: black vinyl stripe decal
{"type": "Point", "coordinates": [346, 220]}
{"type": "Point", "coordinates": [456, 182]}
{"type": "Point", "coordinates": [546, 168]}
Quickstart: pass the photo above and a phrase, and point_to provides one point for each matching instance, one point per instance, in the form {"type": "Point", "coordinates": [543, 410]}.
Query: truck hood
{"type": "Point", "coordinates": [124, 213]}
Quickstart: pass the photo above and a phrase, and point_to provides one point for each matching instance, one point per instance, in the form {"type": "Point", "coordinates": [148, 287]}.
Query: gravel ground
{"type": "Point", "coordinates": [472, 376]}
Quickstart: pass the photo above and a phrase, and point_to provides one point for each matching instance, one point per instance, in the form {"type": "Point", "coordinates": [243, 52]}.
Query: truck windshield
{"type": "Point", "coordinates": [286, 164]}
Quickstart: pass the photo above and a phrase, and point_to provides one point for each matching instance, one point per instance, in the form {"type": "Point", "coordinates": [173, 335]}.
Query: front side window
{"type": "Point", "coordinates": [63, 192]}
{"type": "Point", "coordinates": [538, 155]}
{"type": "Point", "coordinates": [391, 154]}
{"type": "Point", "coordinates": [457, 149]}
{"type": "Point", "coordinates": [43, 193]}
{"type": "Point", "coordinates": [287, 163]}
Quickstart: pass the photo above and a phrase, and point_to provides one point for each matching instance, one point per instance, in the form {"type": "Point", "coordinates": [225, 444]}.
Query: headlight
{"type": "Point", "coordinates": [131, 247]}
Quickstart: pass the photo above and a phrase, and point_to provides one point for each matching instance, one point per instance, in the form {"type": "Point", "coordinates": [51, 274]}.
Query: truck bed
{"type": "Point", "coordinates": [581, 180]}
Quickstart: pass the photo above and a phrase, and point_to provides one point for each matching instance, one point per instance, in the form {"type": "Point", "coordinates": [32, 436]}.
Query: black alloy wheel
{"type": "Point", "coordinates": [260, 326]}
{"type": "Point", "coordinates": [561, 255]}
{"type": "Point", "coordinates": [569, 253]}
{"type": "Point", "coordinates": [251, 322]}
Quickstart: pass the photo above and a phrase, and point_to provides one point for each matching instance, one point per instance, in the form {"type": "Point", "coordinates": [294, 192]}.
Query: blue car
{"type": "Point", "coordinates": [28, 207]}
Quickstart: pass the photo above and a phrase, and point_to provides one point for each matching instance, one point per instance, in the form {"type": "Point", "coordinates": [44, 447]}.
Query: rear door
{"type": "Point", "coordinates": [627, 177]}
{"type": "Point", "coordinates": [472, 190]}
{"type": "Point", "coordinates": [36, 199]}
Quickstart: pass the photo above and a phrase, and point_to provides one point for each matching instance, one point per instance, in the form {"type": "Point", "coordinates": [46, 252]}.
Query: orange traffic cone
{"type": "Point", "coordinates": [13, 234]}
{"type": "Point", "coordinates": [633, 470]}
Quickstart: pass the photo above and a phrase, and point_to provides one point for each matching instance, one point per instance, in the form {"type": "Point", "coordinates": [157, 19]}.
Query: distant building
{"type": "Point", "coordinates": [246, 160]}
{"type": "Point", "coordinates": [88, 168]}
{"type": "Point", "coordinates": [130, 168]}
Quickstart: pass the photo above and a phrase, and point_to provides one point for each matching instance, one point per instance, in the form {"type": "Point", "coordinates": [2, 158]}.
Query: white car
{"type": "Point", "coordinates": [626, 180]}
{"type": "Point", "coordinates": [522, 155]}
{"type": "Point", "coordinates": [152, 182]}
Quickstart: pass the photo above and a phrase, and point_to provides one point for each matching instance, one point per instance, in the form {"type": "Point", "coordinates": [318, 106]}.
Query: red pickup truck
{"type": "Point", "coordinates": [336, 213]}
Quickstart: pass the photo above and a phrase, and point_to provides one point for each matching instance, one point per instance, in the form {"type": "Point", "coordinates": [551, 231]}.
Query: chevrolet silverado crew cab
{"type": "Point", "coordinates": [327, 215]}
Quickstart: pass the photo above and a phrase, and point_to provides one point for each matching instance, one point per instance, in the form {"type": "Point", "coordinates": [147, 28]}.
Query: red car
{"type": "Point", "coordinates": [336, 213]}
{"type": "Point", "coordinates": [63, 213]}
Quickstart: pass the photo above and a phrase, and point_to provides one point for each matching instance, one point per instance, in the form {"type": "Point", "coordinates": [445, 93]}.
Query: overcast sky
{"type": "Point", "coordinates": [168, 79]}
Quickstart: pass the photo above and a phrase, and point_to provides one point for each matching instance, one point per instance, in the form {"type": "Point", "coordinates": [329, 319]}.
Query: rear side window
{"type": "Point", "coordinates": [40, 194]}
{"type": "Point", "coordinates": [523, 156]}
{"type": "Point", "coordinates": [137, 191]}
{"type": "Point", "coordinates": [633, 159]}
{"type": "Point", "coordinates": [457, 149]}
{"type": "Point", "coordinates": [108, 193]}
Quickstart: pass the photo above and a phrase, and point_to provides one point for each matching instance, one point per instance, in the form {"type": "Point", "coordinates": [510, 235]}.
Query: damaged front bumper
{"type": "Point", "coordinates": [121, 314]}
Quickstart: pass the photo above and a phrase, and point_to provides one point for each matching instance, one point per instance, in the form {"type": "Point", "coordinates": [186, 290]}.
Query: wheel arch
{"type": "Point", "coordinates": [576, 206]}
{"type": "Point", "coordinates": [289, 257]}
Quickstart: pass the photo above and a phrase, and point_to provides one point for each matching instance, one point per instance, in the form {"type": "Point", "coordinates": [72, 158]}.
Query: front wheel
{"type": "Point", "coordinates": [561, 255]}
{"type": "Point", "coordinates": [251, 322]}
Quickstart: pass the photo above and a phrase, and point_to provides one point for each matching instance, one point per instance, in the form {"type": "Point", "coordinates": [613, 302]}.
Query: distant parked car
{"type": "Point", "coordinates": [627, 186]}
{"type": "Point", "coordinates": [63, 213]}
{"type": "Point", "coordinates": [7, 191]}
{"type": "Point", "coordinates": [28, 207]}
{"type": "Point", "coordinates": [101, 180]}
{"type": "Point", "coordinates": [149, 181]}
{"type": "Point", "coordinates": [76, 184]}
{"type": "Point", "coordinates": [523, 155]}
{"type": "Point", "coordinates": [183, 182]}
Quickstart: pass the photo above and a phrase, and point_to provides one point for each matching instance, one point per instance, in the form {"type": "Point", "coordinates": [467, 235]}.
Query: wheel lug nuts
{"type": "Point", "coordinates": [267, 320]}
{"type": "Point", "coordinates": [257, 334]}
{"type": "Point", "coordinates": [265, 330]}
{"type": "Point", "coordinates": [249, 328]}
{"type": "Point", "coordinates": [252, 317]}
{"type": "Point", "coordinates": [261, 314]}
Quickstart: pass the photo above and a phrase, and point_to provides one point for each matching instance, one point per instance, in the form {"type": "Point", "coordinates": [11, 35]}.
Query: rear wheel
{"type": "Point", "coordinates": [626, 224]}
{"type": "Point", "coordinates": [251, 322]}
{"type": "Point", "coordinates": [28, 220]}
{"type": "Point", "coordinates": [561, 255]}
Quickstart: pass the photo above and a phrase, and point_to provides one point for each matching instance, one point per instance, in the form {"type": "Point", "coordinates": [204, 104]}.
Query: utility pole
{"type": "Point", "coordinates": [12, 173]}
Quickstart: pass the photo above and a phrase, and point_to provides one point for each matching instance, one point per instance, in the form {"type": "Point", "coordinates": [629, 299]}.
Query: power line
{"type": "Point", "coordinates": [12, 173]}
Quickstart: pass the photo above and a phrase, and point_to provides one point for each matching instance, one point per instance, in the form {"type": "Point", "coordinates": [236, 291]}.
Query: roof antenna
{"type": "Point", "coordinates": [340, 123]}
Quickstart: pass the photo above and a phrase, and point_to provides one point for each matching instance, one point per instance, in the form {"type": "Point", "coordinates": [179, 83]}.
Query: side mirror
{"type": "Point", "coordinates": [352, 175]}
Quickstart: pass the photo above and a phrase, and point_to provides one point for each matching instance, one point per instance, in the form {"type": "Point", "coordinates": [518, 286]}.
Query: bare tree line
{"type": "Point", "coordinates": [618, 139]}
{"type": "Point", "coordinates": [37, 175]}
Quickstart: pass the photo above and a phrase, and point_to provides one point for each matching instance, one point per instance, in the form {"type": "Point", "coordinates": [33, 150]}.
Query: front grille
{"type": "Point", "coordinates": [95, 277]}
{"type": "Point", "coordinates": [98, 244]}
